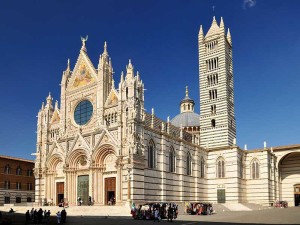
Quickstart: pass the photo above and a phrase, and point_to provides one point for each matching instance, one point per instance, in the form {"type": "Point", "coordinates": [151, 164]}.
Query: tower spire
{"type": "Point", "coordinates": [201, 35]}
{"type": "Point", "coordinates": [186, 91]}
{"type": "Point", "coordinates": [222, 22]}
{"type": "Point", "coordinates": [105, 48]}
{"type": "Point", "coordinates": [229, 36]}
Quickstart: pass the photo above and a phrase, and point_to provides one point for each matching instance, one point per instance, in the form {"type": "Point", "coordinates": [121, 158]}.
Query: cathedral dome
{"type": "Point", "coordinates": [186, 119]}
{"type": "Point", "coordinates": [187, 116]}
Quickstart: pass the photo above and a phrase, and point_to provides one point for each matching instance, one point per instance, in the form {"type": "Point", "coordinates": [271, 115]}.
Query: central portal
{"type": "Point", "coordinates": [83, 189]}
{"type": "Point", "coordinates": [110, 191]}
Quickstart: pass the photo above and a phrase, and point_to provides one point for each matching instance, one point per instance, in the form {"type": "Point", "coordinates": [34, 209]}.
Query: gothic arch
{"type": "Point", "coordinates": [255, 168]}
{"type": "Point", "coordinates": [101, 153]}
{"type": "Point", "coordinates": [53, 161]}
{"type": "Point", "coordinates": [79, 155]}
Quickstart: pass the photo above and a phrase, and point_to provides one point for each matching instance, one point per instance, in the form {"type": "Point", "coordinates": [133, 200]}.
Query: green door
{"type": "Point", "coordinates": [221, 195]}
{"type": "Point", "coordinates": [83, 189]}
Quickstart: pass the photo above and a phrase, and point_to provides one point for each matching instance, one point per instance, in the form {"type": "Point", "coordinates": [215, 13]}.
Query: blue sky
{"type": "Point", "coordinates": [160, 37]}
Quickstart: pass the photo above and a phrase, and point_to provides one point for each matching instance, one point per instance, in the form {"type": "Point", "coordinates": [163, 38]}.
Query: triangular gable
{"type": "Point", "coordinates": [105, 138]}
{"type": "Point", "coordinates": [84, 72]}
{"type": "Point", "coordinates": [55, 149]}
{"type": "Point", "coordinates": [79, 143]}
{"type": "Point", "coordinates": [112, 99]}
{"type": "Point", "coordinates": [55, 117]}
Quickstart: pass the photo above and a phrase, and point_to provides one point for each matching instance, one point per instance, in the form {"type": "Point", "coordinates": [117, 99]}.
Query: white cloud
{"type": "Point", "coordinates": [249, 3]}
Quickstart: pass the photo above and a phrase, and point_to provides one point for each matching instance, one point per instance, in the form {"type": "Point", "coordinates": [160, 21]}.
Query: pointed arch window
{"type": "Point", "coordinates": [151, 155]}
{"type": "Point", "coordinates": [172, 161]}
{"type": "Point", "coordinates": [202, 166]}
{"type": "Point", "coordinates": [189, 164]}
{"type": "Point", "coordinates": [126, 92]}
{"type": "Point", "coordinates": [220, 164]}
{"type": "Point", "coordinates": [255, 169]}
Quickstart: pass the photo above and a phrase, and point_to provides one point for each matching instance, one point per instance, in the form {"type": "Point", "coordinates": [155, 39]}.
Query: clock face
{"type": "Point", "coordinates": [83, 112]}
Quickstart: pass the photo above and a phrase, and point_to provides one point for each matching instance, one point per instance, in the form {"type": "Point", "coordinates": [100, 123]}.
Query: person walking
{"type": "Point", "coordinates": [63, 216]}
{"type": "Point", "coordinates": [170, 214]}
{"type": "Point", "coordinates": [27, 216]}
{"type": "Point", "coordinates": [156, 215]}
{"type": "Point", "coordinates": [58, 215]}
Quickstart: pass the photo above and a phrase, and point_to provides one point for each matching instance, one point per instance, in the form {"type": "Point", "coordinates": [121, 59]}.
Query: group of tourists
{"type": "Point", "coordinates": [280, 204]}
{"type": "Point", "coordinates": [36, 216]}
{"type": "Point", "coordinates": [199, 208]}
{"type": "Point", "coordinates": [155, 211]}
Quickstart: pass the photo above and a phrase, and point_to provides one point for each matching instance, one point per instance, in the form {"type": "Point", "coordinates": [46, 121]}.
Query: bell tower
{"type": "Point", "coordinates": [217, 120]}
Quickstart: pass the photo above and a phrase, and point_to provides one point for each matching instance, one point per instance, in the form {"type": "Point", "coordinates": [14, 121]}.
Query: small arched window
{"type": "Point", "coordinates": [189, 164]}
{"type": "Point", "coordinates": [172, 161]}
{"type": "Point", "coordinates": [255, 169]}
{"type": "Point", "coordinates": [220, 168]}
{"type": "Point", "coordinates": [202, 163]}
{"type": "Point", "coordinates": [126, 92]}
{"type": "Point", "coordinates": [213, 123]}
{"type": "Point", "coordinates": [151, 155]}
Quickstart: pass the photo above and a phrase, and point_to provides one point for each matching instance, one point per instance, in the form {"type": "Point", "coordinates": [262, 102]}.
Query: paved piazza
{"type": "Point", "coordinates": [117, 215]}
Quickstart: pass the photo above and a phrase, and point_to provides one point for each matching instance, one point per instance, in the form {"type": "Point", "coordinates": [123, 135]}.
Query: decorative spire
{"type": "Point", "coordinates": [186, 91]}
{"type": "Point", "coordinates": [122, 76]}
{"type": "Point", "coordinates": [56, 105]}
{"type": "Point", "coordinates": [214, 20]}
{"type": "Point", "coordinates": [229, 36]}
{"type": "Point", "coordinates": [49, 98]}
{"type": "Point", "coordinates": [222, 22]}
{"type": "Point", "coordinates": [105, 47]}
{"type": "Point", "coordinates": [68, 65]}
{"type": "Point", "coordinates": [43, 106]}
{"type": "Point", "coordinates": [49, 101]}
{"type": "Point", "coordinates": [129, 68]}
{"type": "Point", "coordinates": [201, 35]}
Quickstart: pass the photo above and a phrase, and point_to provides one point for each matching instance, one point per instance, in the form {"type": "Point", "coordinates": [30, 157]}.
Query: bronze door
{"type": "Point", "coordinates": [83, 189]}
{"type": "Point", "coordinates": [110, 190]}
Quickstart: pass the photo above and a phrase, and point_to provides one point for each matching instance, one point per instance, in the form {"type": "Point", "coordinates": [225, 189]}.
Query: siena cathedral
{"type": "Point", "coordinates": [100, 143]}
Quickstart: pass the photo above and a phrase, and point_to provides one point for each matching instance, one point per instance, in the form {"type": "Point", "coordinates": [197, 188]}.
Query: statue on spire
{"type": "Point", "coordinates": [83, 40]}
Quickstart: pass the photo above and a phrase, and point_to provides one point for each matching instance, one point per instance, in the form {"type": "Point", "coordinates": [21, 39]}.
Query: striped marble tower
{"type": "Point", "coordinates": [217, 121]}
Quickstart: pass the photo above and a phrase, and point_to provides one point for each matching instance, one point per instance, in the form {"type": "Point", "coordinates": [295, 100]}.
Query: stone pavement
{"type": "Point", "coordinates": [119, 215]}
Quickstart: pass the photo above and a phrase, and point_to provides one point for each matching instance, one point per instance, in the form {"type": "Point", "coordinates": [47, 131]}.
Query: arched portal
{"type": "Point", "coordinates": [54, 180]}
{"type": "Point", "coordinates": [289, 178]}
{"type": "Point", "coordinates": [106, 176]}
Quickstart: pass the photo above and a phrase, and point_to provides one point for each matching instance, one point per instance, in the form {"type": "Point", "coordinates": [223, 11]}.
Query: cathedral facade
{"type": "Point", "coordinates": [100, 143]}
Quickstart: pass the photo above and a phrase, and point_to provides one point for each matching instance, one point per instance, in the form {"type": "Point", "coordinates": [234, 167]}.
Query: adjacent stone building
{"type": "Point", "coordinates": [16, 180]}
{"type": "Point", "coordinates": [100, 141]}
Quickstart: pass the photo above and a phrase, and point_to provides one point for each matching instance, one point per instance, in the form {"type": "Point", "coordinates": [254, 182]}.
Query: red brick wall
{"type": "Point", "coordinates": [12, 177]}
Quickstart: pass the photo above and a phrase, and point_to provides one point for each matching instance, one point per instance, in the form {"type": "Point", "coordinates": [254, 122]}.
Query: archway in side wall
{"type": "Point", "coordinates": [289, 178]}
{"type": "Point", "coordinates": [106, 175]}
